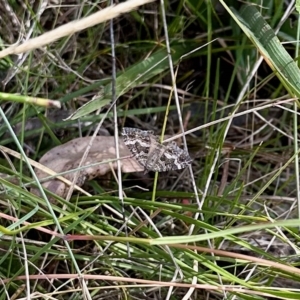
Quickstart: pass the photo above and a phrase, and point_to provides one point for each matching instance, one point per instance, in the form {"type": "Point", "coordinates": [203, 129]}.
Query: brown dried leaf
{"type": "Point", "coordinates": [68, 156]}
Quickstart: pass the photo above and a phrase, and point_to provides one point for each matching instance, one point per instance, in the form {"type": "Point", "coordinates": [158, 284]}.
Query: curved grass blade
{"type": "Point", "coordinates": [263, 37]}
{"type": "Point", "coordinates": [134, 76]}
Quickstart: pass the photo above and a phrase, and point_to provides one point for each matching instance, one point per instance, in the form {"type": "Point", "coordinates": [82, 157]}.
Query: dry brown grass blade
{"type": "Point", "coordinates": [75, 26]}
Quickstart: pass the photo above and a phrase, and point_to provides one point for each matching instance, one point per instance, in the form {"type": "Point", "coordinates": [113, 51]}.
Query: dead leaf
{"type": "Point", "coordinates": [68, 156]}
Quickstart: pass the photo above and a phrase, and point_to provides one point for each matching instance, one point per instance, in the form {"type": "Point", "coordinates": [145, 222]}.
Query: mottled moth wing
{"type": "Point", "coordinates": [152, 155]}
{"type": "Point", "coordinates": [138, 142]}
{"type": "Point", "coordinates": [174, 158]}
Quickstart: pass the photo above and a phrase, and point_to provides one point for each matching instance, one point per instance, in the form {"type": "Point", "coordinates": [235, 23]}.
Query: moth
{"type": "Point", "coordinates": [152, 155]}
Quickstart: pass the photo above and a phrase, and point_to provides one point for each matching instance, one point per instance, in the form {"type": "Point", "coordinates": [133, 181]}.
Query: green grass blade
{"type": "Point", "coordinates": [263, 37]}
{"type": "Point", "coordinates": [134, 76]}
